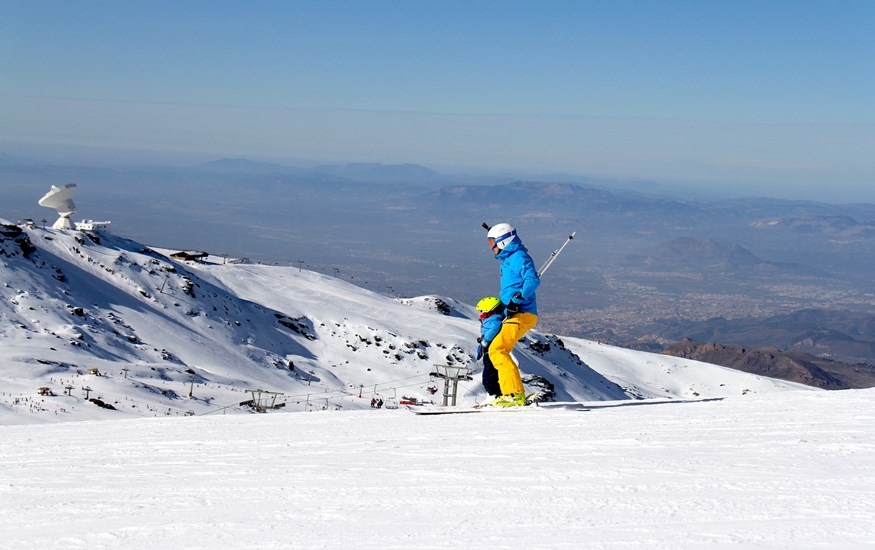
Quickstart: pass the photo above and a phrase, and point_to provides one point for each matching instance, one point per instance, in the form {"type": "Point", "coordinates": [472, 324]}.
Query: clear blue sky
{"type": "Point", "coordinates": [765, 94]}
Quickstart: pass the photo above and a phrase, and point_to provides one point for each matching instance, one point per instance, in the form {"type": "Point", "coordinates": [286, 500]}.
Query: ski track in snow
{"type": "Point", "coordinates": [784, 470]}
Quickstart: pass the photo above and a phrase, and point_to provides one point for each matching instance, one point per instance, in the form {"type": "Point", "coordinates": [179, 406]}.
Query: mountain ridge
{"type": "Point", "coordinates": [794, 366]}
{"type": "Point", "coordinates": [143, 331]}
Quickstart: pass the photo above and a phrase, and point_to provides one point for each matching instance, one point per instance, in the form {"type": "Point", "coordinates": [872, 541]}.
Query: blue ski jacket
{"type": "Point", "coordinates": [518, 274]}
{"type": "Point", "coordinates": [490, 325]}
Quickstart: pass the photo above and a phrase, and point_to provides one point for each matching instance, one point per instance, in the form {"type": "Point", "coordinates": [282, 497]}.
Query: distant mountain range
{"type": "Point", "coordinates": [358, 171]}
{"type": "Point", "coordinates": [711, 259]}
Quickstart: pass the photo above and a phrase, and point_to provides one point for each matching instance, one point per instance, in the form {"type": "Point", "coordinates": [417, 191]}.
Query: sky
{"type": "Point", "coordinates": [774, 94]}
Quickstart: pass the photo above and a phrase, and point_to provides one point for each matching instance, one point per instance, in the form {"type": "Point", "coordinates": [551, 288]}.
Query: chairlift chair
{"type": "Point", "coordinates": [392, 402]}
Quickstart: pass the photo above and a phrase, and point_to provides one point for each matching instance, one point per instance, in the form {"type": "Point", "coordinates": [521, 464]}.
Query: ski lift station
{"type": "Point", "coordinates": [61, 200]}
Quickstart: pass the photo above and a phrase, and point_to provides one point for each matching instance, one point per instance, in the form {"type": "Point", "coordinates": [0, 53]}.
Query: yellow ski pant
{"type": "Point", "coordinates": [512, 329]}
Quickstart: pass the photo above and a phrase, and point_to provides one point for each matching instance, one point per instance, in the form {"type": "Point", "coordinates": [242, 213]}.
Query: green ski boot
{"type": "Point", "coordinates": [513, 400]}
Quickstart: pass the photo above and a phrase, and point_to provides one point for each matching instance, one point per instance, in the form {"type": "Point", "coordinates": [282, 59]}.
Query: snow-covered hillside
{"type": "Point", "coordinates": [96, 326]}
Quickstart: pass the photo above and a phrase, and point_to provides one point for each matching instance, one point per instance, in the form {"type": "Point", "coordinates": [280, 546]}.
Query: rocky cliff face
{"type": "Point", "coordinates": [14, 241]}
{"type": "Point", "coordinates": [794, 367]}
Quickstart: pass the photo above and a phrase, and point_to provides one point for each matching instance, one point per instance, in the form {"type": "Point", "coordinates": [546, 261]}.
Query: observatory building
{"type": "Point", "coordinates": [61, 199]}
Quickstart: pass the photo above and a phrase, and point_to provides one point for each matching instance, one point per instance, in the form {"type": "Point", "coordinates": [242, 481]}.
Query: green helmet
{"type": "Point", "coordinates": [488, 304]}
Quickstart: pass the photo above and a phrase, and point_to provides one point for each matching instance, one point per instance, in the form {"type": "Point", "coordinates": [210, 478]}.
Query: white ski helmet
{"type": "Point", "coordinates": [500, 235]}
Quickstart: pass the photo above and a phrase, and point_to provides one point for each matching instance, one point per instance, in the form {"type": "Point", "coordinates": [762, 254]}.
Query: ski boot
{"type": "Point", "coordinates": [513, 400]}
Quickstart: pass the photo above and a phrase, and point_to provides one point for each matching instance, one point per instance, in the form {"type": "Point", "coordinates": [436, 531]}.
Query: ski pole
{"type": "Point", "coordinates": [555, 254]}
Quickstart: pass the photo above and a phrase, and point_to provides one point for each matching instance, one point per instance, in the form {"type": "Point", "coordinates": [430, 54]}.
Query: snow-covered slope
{"type": "Point", "coordinates": [785, 470]}
{"type": "Point", "coordinates": [96, 316]}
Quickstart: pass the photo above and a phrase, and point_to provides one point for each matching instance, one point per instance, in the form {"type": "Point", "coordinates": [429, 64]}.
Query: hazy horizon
{"type": "Point", "coordinates": [768, 97]}
{"type": "Point", "coordinates": [126, 158]}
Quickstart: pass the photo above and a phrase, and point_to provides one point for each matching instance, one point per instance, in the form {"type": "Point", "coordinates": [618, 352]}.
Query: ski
{"type": "Point", "coordinates": [569, 405]}
{"type": "Point", "coordinates": [487, 409]}
{"type": "Point", "coordinates": [556, 405]}
{"type": "Point", "coordinates": [443, 410]}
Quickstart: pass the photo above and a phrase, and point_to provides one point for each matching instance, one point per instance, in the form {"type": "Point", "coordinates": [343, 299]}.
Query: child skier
{"type": "Point", "coordinates": [491, 315]}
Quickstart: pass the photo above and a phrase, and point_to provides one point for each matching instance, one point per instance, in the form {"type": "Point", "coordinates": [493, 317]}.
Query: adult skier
{"type": "Point", "coordinates": [519, 283]}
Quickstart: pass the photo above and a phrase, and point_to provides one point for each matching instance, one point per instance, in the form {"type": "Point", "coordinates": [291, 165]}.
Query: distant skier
{"type": "Point", "coordinates": [491, 315]}
{"type": "Point", "coordinates": [519, 283]}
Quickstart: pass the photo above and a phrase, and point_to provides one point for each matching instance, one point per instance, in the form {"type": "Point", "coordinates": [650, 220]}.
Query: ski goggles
{"type": "Point", "coordinates": [493, 242]}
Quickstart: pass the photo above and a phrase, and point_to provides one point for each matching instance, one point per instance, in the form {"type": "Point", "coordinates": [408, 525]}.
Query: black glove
{"type": "Point", "coordinates": [514, 305]}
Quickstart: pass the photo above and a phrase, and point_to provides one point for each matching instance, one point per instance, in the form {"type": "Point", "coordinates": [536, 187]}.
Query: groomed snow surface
{"type": "Point", "coordinates": [780, 470]}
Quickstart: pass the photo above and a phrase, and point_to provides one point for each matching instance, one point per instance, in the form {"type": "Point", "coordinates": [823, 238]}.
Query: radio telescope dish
{"type": "Point", "coordinates": [61, 199]}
